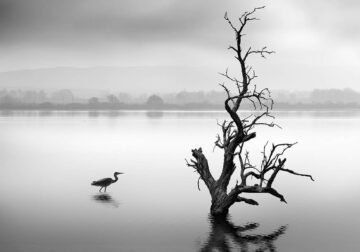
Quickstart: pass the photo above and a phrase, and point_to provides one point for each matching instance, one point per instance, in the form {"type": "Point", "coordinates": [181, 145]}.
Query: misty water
{"type": "Point", "coordinates": [49, 159]}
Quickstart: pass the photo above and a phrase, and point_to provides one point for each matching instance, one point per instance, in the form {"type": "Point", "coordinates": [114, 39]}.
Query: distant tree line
{"type": "Point", "coordinates": [66, 99]}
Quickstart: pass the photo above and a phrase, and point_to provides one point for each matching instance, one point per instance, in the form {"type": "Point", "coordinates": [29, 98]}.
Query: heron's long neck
{"type": "Point", "coordinates": [116, 178]}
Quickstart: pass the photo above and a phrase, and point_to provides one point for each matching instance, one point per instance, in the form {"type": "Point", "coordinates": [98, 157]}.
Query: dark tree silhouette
{"type": "Point", "coordinates": [239, 130]}
{"type": "Point", "coordinates": [154, 101]}
{"type": "Point", "coordinates": [112, 99]}
{"type": "Point", "coordinates": [93, 100]}
{"type": "Point", "coordinates": [225, 237]}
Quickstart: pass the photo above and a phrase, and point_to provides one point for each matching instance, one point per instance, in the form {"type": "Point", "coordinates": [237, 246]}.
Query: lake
{"type": "Point", "coordinates": [49, 159]}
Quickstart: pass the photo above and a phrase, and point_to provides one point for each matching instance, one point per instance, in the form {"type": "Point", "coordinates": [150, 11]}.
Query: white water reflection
{"type": "Point", "coordinates": [48, 160]}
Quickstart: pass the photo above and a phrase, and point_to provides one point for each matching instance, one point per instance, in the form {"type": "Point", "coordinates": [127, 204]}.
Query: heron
{"type": "Point", "coordinates": [105, 182]}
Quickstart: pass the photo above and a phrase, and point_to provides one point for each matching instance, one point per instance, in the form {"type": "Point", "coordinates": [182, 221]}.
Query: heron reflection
{"type": "Point", "coordinates": [106, 199]}
{"type": "Point", "coordinates": [224, 236]}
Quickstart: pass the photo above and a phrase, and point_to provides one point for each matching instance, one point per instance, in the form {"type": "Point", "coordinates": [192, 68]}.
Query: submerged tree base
{"type": "Point", "coordinates": [221, 201]}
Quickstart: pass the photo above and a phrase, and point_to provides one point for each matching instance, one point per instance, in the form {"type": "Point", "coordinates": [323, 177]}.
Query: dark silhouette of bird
{"type": "Point", "coordinates": [105, 182]}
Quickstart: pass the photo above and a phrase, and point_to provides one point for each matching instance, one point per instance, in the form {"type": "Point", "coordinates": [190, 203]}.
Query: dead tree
{"type": "Point", "coordinates": [240, 130]}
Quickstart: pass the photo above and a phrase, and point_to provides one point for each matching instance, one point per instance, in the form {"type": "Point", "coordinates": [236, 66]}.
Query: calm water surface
{"type": "Point", "coordinates": [48, 160]}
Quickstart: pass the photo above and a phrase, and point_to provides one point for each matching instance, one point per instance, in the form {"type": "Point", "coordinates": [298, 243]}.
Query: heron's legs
{"type": "Point", "coordinates": [105, 188]}
{"type": "Point", "coordinates": [100, 189]}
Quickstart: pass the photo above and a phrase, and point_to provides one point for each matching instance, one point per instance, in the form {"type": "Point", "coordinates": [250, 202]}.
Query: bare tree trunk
{"type": "Point", "coordinates": [220, 202]}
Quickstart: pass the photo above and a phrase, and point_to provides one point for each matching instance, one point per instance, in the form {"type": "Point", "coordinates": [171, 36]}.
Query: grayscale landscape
{"type": "Point", "coordinates": [179, 126]}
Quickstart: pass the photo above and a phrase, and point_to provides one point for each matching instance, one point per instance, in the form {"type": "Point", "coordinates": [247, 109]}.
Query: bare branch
{"type": "Point", "coordinates": [263, 52]}
{"type": "Point", "coordinates": [259, 189]}
{"type": "Point", "coordinates": [230, 23]}
{"type": "Point", "coordinates": [247, 201]}
{"type": "Point", "coordinates": [233, 48]}
{"type": "Point", "coordinates": [202, 167]}
{"type": "Point", "coordinates": [218, 143]}
{"type": "Point", "coordinates": [298, 174]}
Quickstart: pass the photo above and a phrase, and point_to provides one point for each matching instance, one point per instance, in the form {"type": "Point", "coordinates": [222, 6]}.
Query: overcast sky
{"type": "Point", "coordinates": [317, 43]}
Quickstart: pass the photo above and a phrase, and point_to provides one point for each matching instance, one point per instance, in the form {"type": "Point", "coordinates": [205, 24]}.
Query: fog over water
{"type": "Point", "coordinates": [48, 160]}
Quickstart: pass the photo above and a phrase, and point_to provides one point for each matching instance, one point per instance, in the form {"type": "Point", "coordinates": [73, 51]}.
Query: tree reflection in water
{"type": "Point", "coordinates": [224, 236]}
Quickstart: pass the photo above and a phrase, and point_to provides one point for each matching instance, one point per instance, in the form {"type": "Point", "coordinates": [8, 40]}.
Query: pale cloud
{"type": "Point", "coordinates": [311, 34]}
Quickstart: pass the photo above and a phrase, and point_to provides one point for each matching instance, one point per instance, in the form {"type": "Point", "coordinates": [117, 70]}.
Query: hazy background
{"type": "Point", "coordinates": [92, 54]}
{"type": "Point", "coordinates": [171, 45]}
